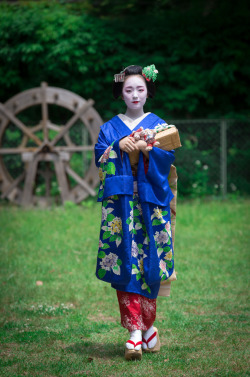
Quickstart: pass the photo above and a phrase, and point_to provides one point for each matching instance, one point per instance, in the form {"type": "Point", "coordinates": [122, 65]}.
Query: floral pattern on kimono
{"type": "Point", "coordinates": [135, 248]}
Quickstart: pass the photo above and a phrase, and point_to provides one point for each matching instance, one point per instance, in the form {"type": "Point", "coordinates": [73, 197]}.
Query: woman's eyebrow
{"type": "Point", "coordinates": [131, 87]}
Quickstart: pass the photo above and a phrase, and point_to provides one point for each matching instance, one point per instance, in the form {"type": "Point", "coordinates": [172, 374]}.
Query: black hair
{"type": "Point", "coordinates": [133, 70]}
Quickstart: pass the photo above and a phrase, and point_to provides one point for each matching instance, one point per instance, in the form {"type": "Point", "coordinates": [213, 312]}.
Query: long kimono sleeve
{"type": "Point", "coordinates": [153, 186]}
{"type": "Point", "coordinates": [115, 175]}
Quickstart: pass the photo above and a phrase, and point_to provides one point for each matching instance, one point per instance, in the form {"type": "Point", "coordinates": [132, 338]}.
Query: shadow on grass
{"type": "Point", "coordinates": [97, 350]}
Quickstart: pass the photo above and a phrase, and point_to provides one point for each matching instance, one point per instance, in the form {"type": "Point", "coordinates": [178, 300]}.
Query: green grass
{"type": "Point", "coordinates": [70, 325]}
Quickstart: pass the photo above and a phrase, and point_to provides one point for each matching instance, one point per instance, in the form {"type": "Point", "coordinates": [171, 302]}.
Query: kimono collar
{"type": "Point", "coordinates": [132, 123]}
{"type": "Point", "coordinates": [149, 121]}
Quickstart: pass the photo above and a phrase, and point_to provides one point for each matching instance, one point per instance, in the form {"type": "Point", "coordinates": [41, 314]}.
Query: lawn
{"type": "Point", "coordinates": [69, 325]}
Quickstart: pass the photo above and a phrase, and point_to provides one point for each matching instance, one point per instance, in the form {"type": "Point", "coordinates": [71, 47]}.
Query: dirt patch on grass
{"type": "Point", "coordinates": [101, 317]}
{"type": "Point", "coordinates": [9, 349]}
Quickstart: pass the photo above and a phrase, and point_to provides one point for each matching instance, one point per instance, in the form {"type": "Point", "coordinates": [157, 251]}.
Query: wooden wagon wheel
{"type": "Point", "coordinates": [39, 157]}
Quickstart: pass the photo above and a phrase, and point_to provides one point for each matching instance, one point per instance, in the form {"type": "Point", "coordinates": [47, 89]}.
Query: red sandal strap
{"type": "Point", "coordinates": [134, 344]}
{"type": "Point", "coordinates": [131, 342]}
{"type": "Point", "coordinates": [150, 338]}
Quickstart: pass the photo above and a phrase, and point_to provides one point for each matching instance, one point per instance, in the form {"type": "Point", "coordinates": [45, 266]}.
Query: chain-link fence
{"type": "Point", "coordinates": [214, 157]}
{"type": "Point", "coordinates": [213, 160]}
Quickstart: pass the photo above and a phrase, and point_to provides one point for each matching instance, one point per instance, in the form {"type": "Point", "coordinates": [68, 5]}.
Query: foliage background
{"type": "Point", "coordinates": [199, 47]}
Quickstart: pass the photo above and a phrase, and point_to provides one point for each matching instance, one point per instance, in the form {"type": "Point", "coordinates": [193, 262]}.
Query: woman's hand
{"type": "Point", "coordinates": [128, 144]}
{"type": "Point", "coordinates": [141, 144]}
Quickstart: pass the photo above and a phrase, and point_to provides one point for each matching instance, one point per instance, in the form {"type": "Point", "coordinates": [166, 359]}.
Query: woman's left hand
{"type": "Point", "coordinates": [141, 144]}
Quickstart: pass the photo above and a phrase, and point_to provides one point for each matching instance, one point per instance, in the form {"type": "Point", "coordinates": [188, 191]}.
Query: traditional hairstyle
{"type": "Point", "coordinates": [133, 70]}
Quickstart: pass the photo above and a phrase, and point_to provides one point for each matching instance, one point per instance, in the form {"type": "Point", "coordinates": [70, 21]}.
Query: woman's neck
{"type": "Point", "coordinates": [134, 114]}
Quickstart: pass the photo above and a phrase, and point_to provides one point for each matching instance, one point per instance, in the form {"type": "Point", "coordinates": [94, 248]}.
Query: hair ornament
{"type": "Point", "coordinates": [150, 72]}
{"type": "Point", "coordinates": [119, 77]}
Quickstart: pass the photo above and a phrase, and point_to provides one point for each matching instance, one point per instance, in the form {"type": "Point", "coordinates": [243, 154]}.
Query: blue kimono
{"type": "Point", "coordinates": [135, 248]}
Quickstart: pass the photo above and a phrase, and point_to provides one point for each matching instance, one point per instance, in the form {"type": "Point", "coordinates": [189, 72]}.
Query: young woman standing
{"type": "Point", "coordinates": [135, 248]}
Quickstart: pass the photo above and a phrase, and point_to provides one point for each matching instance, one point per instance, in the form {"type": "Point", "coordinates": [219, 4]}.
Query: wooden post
{"type": "Point", "coordinates": [62, 180]}
{"type": "Point", "coordinates": [32, 161]}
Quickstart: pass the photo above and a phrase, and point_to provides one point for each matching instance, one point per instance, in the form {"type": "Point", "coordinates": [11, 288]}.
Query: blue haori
{"type": "Point", "coordinates": [135, 248]}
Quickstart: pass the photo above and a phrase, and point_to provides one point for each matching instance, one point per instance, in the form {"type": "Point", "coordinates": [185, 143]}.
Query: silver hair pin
{"type": "Point", "coordinates": [119, 77]}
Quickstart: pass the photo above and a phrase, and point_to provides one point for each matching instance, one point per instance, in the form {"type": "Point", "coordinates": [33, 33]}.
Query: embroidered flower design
{"type": "Point", "coordinates": [134, 249]}
{"type": "Point", "coordinates": [163, 266]}
{"type": "Point", "coordinates": [169, 255]}
{"type": "Point", "coordinates": [105, 155]}
{"type": "Point", "coordinates": [101, 174]}
{"type": "Point", "coordinates": [158, 213]}
{"type": "Point", "coordinates": [100, 244]}
{"type": "Point", "coordinates": [161, 237]}
{"type": "Point", "coordinates": [116, 225]}
{"type": "Point", "coordinates": [168, 226]}
{"type": "Point", "coordinates": [140, 265]}
{"type": "Point", "coordinates": [109, 261]}
{"type": "Point", "coordinates": [104, 213]}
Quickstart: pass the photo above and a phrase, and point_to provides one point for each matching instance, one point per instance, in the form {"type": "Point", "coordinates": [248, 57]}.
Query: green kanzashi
{"type": "Point", "coordinates": [150, 72]}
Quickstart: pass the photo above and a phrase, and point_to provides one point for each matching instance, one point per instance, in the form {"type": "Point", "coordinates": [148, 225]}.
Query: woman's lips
{"type": "Point", "coordinates": [135, 101]}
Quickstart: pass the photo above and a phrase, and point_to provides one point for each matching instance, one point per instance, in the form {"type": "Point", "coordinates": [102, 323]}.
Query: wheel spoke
{"type": "Point", "coordinates": [4, 151]}
{"type": "Point", "coordinates": [13, 185]}
{"type": "Point", "coordinates": [75, 148]}
{"type": "Point", "coordinates": [44, 112]}
{"type": "Point", "coordinates": [19, 124]}
{"type": "Point", "coordinates": [72, 120]}
{"type": "Point", "coordinates": [81, 181]}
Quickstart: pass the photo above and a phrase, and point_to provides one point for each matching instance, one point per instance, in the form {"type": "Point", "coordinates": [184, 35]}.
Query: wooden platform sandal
{"type": "Point", "coordinates": [157, 347]}
{"type": "Point", "coordinates": [133, 354]}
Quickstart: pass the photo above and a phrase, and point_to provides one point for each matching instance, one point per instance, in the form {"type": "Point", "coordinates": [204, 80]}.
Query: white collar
{"type": "Point", "coordinates": [132, 123]}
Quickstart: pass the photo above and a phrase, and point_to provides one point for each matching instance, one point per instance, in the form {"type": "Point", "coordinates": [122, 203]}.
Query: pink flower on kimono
{"type": "Point", "coordinates": [100, 243]}
{"type": "Point", "coordinates": [105, 155]}
{"type": "Point", "coordinates": [163, 265]}
{"type": "Point", "coordinates": [168, 226]}
{"type": "Point", "coordinates": [104, 213]}
{"type": "Point", "coordinates": [161, 237]}
{"type": "Point", "coordinates": [109, 261]}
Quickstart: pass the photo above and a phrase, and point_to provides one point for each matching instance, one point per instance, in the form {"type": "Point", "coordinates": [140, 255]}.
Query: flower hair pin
{"type": "Point", "coordinates": [150, 72]}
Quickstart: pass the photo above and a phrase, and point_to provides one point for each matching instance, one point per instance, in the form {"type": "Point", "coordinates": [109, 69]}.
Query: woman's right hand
{"type": "Point", "coordinates": [127, 144]}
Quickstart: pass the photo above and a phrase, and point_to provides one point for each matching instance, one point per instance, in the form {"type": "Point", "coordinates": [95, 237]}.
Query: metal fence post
{"type": "Point", "coordinates": [223, 157]}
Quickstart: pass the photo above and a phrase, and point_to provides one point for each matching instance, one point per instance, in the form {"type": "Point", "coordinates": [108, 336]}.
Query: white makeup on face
{"type": "Point", "coordinates": [134, 93]}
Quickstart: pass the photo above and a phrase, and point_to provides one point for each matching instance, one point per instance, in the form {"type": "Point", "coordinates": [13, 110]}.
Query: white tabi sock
{"type": "Point", "coordinates": [146, 335]}
{"type": "Point", "coordinates": [136, 337]}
